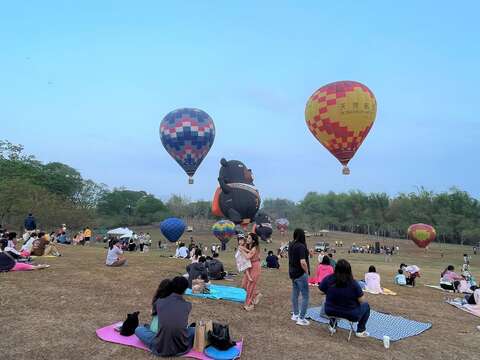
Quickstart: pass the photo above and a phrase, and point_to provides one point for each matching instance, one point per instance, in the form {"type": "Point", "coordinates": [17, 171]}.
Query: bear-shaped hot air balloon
{"type": "Point", "coordinates": [421, 234]}
{"type": "Point", "coordinates": [237, 198]}
{"type": "Point", "coordinates": [263, 226]}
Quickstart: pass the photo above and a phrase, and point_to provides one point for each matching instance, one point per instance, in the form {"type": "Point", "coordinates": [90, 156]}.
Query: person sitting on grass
{"type": "Point", "coordinates": [43, 247]}
{"type": "Point", "coordinates": [324, 269]}
{"type": "Point", "coordinates": [163, 290]}
{"type": "Point", "coordinates": [345, 299]}
{"type": "Point", "coordinates": [197, 270]}
{"type": "Point", "coordinates": [9, 263]}
{"type": "Point", "coordinates": [181, 252]}
{"type": "Point", "coordinates": [450, 280]}
{"type": "Point", "coordinates": [174, 337]}
{"type": "Point", "coordinates": [400, 278]}
{"type": "Point", "coordinates": [372, 281]}
{"type": "Point", "coordinates": [215, 268]}
{"type": "Point", "coordinates": [272, 261]}
{"type": "Point", "coordinates": [115, 256]}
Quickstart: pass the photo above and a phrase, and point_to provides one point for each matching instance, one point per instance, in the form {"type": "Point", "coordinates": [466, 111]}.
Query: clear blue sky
{"type": "Point", "coordinates": [88, 82]}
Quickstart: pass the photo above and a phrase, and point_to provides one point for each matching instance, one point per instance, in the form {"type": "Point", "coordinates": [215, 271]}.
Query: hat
{"type": "Point", "coordinates": [241, 235]}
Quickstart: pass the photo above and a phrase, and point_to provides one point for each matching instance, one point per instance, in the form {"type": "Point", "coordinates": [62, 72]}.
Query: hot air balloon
{"type": "Point", "coordinates": [282, 225]}
{"type": "Point", "coordinates": [237, 198]}
{"type": "Point", "coordinates": [263, 226]}
{"type": "Point", "coordinates": [224, 230]}
{"type": "Point", "coordinates": [172, 228]}
{"type": "Point", "coordinates": [340, 115]}
{"type": "Point", "coordinates": [187, 135]}
{"type": "Point", "coordinates": [421, 234]}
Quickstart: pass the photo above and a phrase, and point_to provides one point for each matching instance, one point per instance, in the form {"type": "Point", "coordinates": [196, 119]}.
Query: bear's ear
{"type": "Point", "coordinates": [224, 162]}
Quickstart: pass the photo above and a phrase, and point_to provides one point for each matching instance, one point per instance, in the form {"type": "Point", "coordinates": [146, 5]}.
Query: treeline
{"type": "Point", "coordinates": [454, 214]}
{"type": "Point", "coordinates": [57, 193]}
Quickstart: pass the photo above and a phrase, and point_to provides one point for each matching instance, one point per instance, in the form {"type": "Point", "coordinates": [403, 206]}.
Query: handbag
{"type": "Point", "coordinates": [198, 286]}
{"type": "Point", "coordinates": [201, 340]}
{"type": "Point", "coordinates": [219, 337]}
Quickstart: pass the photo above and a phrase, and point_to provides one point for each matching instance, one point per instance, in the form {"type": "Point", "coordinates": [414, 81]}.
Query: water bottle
{"type": "Point", "coordinates": [386, 341]}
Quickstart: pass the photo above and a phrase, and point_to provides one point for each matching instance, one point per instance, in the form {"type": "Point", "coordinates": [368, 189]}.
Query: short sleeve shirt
{"type": "Point", "coordinates": [113, 255]}
{"type": "Point", "coordinates": [340, 298]}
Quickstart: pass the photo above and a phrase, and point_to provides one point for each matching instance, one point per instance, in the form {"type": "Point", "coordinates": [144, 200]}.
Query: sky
{"type": "Point", "coordinates": [87, 83]}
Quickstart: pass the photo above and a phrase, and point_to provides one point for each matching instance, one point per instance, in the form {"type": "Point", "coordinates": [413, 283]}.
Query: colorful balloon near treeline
{"type": "Point", "coordinates": [282, 224]}
{"type": "Point", "coordinates": [187, 134]}
{"type": "Point", "coordinates": [224, 230]}
{"type": "Point", "coordinates": [340, 116]}
{"type": "Point", "coordinates": [421, 234]}
{"type": "Point", "coordinates": [172, 229]}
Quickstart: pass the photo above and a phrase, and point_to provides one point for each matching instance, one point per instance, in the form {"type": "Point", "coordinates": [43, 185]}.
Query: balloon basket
{"type": "Point", "coordinates": [190, 181]}
{"type": "Point", "coordinates": [346, 170]}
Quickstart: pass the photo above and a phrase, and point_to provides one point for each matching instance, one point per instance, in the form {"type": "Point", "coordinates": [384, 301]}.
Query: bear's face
{"type": "Point", "coordinates": [235, 171]}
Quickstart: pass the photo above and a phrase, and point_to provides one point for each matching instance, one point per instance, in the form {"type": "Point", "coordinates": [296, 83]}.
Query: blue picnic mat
{"type": "Point", "coordinates": [380, 324]}
{"type": "Point", "coordinates": [221, 292]}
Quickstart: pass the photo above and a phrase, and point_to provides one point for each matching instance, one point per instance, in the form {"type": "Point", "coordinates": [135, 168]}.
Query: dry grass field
{"type": "Point", "coordinates": [53, 314]}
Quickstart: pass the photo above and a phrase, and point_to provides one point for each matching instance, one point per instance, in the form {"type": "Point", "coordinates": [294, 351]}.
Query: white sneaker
{"type": "Point", "coordinates": [362, 334]}
{"type": "Point", "coordinates": [303, 322]}
{"type": "Point", "coordinates": [332, 330]}
{"type": "Point", "coordinates": [294, 317]}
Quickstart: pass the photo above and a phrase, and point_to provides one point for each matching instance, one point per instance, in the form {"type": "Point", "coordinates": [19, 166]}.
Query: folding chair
{"type": "Point", "coordinates": [335, 320]}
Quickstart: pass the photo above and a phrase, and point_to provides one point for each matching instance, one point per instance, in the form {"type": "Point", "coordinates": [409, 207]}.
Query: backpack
{"type": "Point", "coordinates": [219, 337]}
{"type": "Point", "coordinates": [130, 324]}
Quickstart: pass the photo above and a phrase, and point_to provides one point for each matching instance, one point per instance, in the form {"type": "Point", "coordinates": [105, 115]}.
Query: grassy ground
{"type": "Point", "coordinates": [53, 314]}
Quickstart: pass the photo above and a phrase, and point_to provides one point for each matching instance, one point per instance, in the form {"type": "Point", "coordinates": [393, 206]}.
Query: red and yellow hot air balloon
{"type": "Point", "coordinates": [340, 115]}
{"type": "Point", "coordinates": [421, 234]}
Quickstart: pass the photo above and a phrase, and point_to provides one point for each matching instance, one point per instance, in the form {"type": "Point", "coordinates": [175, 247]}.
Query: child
{"type": "Point", "coordinates": [400, 278]}
{"type": "Point", "coordinates": [243, 264]}
{"type": "Point", "coordinates": [372, 281]}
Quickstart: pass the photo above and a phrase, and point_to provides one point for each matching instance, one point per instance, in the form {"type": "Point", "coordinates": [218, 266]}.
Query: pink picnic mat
{"type": "Point", "coordinates": [109, 334]}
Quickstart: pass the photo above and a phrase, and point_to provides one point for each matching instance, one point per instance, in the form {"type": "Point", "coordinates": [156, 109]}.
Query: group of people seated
{"type": "Point", "coordinates": [205, 268]}
{"type": "Point", "coordinates": [462, 283]}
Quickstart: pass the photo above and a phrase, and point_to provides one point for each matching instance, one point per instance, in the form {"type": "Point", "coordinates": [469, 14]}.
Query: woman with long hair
{"type": "Point", "coordinates": [115, 256]}
{"type": "Point", "coordinates": [345, 298]}
{"type": "Point", "coordinates": [298, 271]}
{"type": "Point", "coordinates": [249, 283]}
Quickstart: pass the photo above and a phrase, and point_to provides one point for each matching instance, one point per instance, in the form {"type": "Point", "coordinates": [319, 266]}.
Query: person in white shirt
{"type": "Point", "coordinates": [115, 254]}
{"type": "Point", "coordinates": [182, 251]}
{"type": "Point", "coordinates": [372, 281]}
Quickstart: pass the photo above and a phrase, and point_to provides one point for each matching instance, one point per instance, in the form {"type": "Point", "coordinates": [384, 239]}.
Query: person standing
{"type": "Point", "coordinates": [87, 234]}
{"type": "Point", "coordinates": [298, 270]}
{"type": "Point", "coordinates": [30, 223]}
{"type": "Point", "coordinates": [141, 241]}
{"type": "Point", "coordinates": [250, 280]}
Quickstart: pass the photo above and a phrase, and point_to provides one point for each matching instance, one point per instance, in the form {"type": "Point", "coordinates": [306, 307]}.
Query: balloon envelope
{"type": "Point", "coordinates": [340, 115]}
{"type": "Point", "coordinates": [421, 234]}
{"type": "Point", "coordinates": [224, 230]}
{"type": "Point", "coordinates": [172, 228]}
{"type": "Point", "coordinates": [282, 224]}
{"type": "Point", "coordinates": [187, 135]}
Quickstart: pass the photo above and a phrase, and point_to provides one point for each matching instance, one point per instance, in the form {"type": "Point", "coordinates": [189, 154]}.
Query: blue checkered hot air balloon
{"type": "Point", "coordinates": [187, 134]}
{"type": "Point", "coordinates": [172, 228]}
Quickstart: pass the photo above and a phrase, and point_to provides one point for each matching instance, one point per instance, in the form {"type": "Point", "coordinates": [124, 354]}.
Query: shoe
{"type": "Point", "coordinates": [249, 307]}
{"type": "Point", "coordinates": [256, 301]}
{"type": "Point", "coordinates": [303, 322]}
{"type": "Point", "coordinates": [362, 334]}
{"type": "Point", "coordinates": [294, 317]}
{"type": "Point", "coordinates": [332, 330]}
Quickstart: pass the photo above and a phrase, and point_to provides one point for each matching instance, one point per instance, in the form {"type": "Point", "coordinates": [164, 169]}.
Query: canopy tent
{"type": "Point", "coordinates": [120, 232]}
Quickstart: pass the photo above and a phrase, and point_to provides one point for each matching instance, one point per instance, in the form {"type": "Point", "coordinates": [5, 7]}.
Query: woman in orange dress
{"type": "Point", "coordinates": [252, 252]}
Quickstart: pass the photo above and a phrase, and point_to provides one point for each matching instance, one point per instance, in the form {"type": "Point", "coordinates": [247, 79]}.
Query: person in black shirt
{"type": "Point", "coordinates": [272, 261]}
{"type": "Point", "coordinates": [299, 269]}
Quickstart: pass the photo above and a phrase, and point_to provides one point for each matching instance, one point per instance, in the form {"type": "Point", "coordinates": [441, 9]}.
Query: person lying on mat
{"type": "Point", "coordinates": [345, 299]}
{"type": "Point", "coordinates": [115, 256]}
{"type": "Point", "coordinates": [197, 270]}
{"type": "Point", "coordinates": [174, 337]}
{"type": "Point", "coordinates": [9, 263]}
{"type": "Point", "coordinates": [272, 261]}
{"type": "Point", "coordinates": [372, 281]}
{"type": "Point", "coordinates": [400, 278]}
{"type": "Point", "coordinates": [324, 269]}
